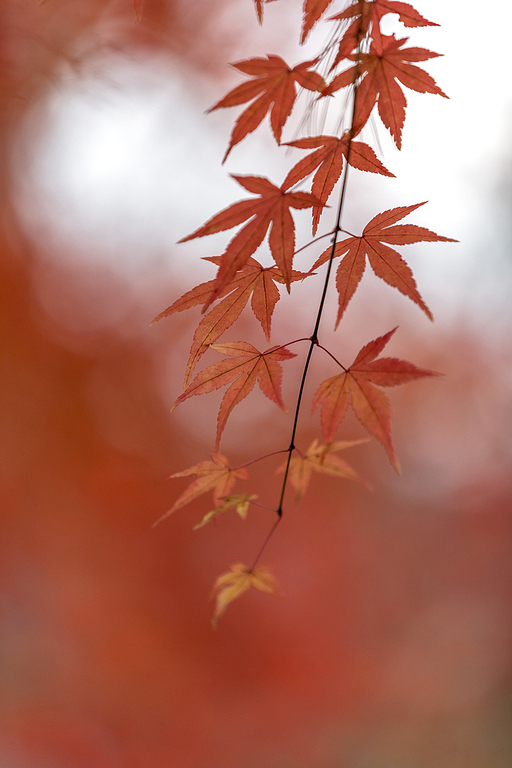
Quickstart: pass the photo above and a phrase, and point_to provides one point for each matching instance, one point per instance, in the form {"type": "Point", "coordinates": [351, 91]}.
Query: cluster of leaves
{"type": "Point", "coordinates": [376, 68]}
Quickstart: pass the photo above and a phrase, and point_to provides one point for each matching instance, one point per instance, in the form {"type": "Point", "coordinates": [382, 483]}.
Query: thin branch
{"type": "Point", "coordinates": [314, 335]}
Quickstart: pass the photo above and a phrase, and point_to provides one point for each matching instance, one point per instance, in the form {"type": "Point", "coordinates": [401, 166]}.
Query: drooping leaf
{"type": "Point", "coordinates": [320, 458]}
{"type": "Point", "coordinates": [385, 262]}
{"type": "Point", "coordinates": [240, 501]}
{"type": "Point", "coordinates": [215, 475]}
{"type": "Point", "coordinates": [271, 209]}
{"type": "Point", "coordinates": [312, 13]}
{"type": "Point", "coordinates": [356, 385]}
{"type": "Point", "coordinates": [274, 90]}
{"type": "Point", "coordinates": [379, 71]}
{"type": "Point", "coordinates": [235, 582]}
{"type": "Point", "coordinates": [328, 159]}
{"type": "Point", "coordinates": [365, 13]}
{"type": "Point", "coordinates": [244, 367]}
{"type": "Point", "coordinates": [252, 280]}
{"type": "Point", "coordinates": [198, 295]}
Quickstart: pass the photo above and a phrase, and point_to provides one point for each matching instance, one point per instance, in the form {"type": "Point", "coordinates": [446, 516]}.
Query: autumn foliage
{"type": "Point", "coordinates": [375, 68]}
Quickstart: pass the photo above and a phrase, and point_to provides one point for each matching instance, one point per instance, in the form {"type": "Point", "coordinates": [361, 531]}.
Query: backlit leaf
{"type": "Point", "coordinates": [366, 13]}
{"type": "Point", "coordinates": [320, 458]}
{"type": "Point", "coordinates": [327, 160]}
{"type": "Point", "coordinates": [385, 262]}
{"type": "Point", "coordinates": [274, 90]}
{"type": "Point", "coordinates": [270, 210]}
{"type": "Point", "coordinates": [215, 475]}
{"type": "Point", "coordinates": [379, 71]}
{"type": "Point", "coordinates": [242, 369]}
{"type": "Point", "coordinates": [356, 385]}
{"type": "Point", "coordinates": [235, 582]}
{"type": "Point", "coordinates": [313, 11]}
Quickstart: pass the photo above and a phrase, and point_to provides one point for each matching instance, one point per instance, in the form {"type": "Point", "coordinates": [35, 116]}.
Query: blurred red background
{"type": "Point", "coordinates": [392, 644]}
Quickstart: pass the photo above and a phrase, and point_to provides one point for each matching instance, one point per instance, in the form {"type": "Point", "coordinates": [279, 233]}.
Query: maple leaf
{"type": "Point", "coordinates": [214, 475]}
{"type": "Point", "coordinates": [271, 209]}
{"type": "Point", "coordinates": [379, 71]}
{"type": "Point", "coordinates": [235, 582]}
{"type": "Point", "coordinates": [385, 262]}
{"type": "Point", "coordinates": [252, 280]}
{"type": "Point", "coordinates": [244, 367]}
{"type": "Point", "coordinates": [319, 458]}
{"type": "Point", "coordinates": [273, 89]}
{"type": "Point", "coordinates": [328, 159]}
{"type": "Point", "coordinates": [356, 385]}
{"type": "Point", "coordinates": [240, 501]}
{"type": "Point", "coordinates": [312, 13]}
{"type": "Point", "coordinates": [365, 13]}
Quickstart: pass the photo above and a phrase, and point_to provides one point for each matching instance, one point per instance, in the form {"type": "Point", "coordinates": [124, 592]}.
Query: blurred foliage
{"type": "Point", "coordinates": [392, 645]}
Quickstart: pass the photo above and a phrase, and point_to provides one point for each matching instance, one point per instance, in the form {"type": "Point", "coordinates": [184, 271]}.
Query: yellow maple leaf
{"type": "Point", "coordinates": [235, 582]}
{"type": "Point", "coordinates": [240, 501]}
{"type": "Point", "coordinates": [215, 475]}
{"type": "Point", "coordinates": [319, 458]}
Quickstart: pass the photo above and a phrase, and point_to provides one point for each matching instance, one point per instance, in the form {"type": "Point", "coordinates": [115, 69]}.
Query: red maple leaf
{"type": "Point", "coordinates": [312, 13]}
{"type": "Point", "coordinates": [365, 13]}
{"type": "Point", "coordinates": [385, 262]}
{"type": "Point", "coordinates": [379, 71]}
{"type": "Point", "coordinates": [328, 159]}
{"type": "Point", "coordinates": [273, 89]}
{"type": "Point", "coordinates": [215, 475]}
{"type": "Point", "coordinates": [252, 280]}
{"type": "Point", "coordinates": [356, 385]}
{"type": "Point", "coordinates": [271, 209]}
{"type": "Point", "coordinates": [244, 367]}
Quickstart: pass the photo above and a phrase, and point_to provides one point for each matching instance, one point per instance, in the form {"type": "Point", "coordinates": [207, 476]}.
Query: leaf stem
{"type": "Point", "coordinates": [331, 355]}
{"type": "Point", "coordinates": [312, 242]}
{"type": "Point", "coordinates": [263, 506]}
{"type": "Point", "coordinates": [260, 458]}
{"type": "Point", "coordinates": [262, 548]}
{"type": "Point", "coordinates": [282, 346]}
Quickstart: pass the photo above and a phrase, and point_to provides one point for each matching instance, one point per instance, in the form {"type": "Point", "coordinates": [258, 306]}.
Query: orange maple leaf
{"type": "Point", "coordinates": [271, 209]}
{"type": "Point", "coordinates": [356, 385]}
{"type": "Point", "coordinates": [319, 458]}
{"type": "Point", "coordinates": [385, 262]}
{"type": "Point", "coordinates": [214, 475]}
{"type": "Point", "coordinates": [244, 367]}
{"type": "Point", "coordinates": [273, 89]}
{"type": "Point", "coordinates": [235, 582]}
{"type": "Point", "coordinates": [379, 71]}
{"type": "Point", "coordinates": [365, 13]}
{"type": "Point", "coordinates": [328, 159]}
{"type": "Point", "coordinates": [252, 280]}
